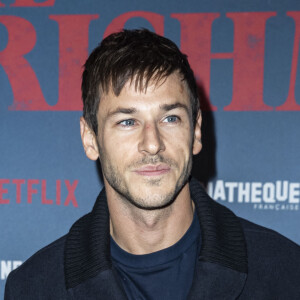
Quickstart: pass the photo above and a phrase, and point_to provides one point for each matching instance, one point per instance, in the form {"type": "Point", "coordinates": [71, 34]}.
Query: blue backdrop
{"type": "Point", "coordinates": [245, 57]}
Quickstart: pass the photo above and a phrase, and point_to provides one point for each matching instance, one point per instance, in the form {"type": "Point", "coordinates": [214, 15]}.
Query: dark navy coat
{"type": "Point", "coordinates": [237, 260]}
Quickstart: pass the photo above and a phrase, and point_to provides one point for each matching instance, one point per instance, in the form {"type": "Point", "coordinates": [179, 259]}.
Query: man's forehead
{"type": "Point", "coordinates": [169, 93]}
{"type": "Point", "coordinates": [144, 85]}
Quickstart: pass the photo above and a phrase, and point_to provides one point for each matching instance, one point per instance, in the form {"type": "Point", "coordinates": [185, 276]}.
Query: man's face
{"type": "Point", "coordinates": [146, 141]}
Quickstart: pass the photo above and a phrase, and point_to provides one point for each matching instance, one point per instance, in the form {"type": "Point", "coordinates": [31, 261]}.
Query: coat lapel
{"type": "Point", "coordinates": [213, 281]}
{"type": "Point", "coordinates": [222, 266]}
{"type": "Point", "coordinates": [104, 286]}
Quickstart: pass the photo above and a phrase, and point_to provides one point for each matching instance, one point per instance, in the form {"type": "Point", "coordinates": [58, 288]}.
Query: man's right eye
{"type": "Point", "coordinates": [127, 123]}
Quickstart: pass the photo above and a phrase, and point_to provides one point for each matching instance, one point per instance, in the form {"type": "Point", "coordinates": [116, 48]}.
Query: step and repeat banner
{"type": "Point", "coordinates": [245, 55]}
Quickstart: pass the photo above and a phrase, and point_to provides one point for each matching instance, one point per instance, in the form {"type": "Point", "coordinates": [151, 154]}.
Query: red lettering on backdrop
{"type": "Point", "coordinates": [248, 54]}
{"type": "Point", "coordinates": [73, 51]}
{"type": "Point", "coordinates": [30, 190]}
{"type": "Point", "coordinates": [73, 48]}
{"type": "Point", "coordinates": [248, 61]}
{"type": "Point", "coordinates": [71, 190]}
{"type": "Point", "coordinates": [195, 41]}
{"type": "Point", "coordinates": [44, 196]}
{"type": "Point", "coordinates": [1, 4]}
{"type": "Point", "coordinates": [290, 103]}
{"type": "Point", "coordinates": [31, 3]}
{"type": "Point", "coordinates": [3, 191]}
{"type": "Point", "coordinates": [21, 40]}
{"type": "Point", "coordinates": [18, 183]}
{"type": "Point", "coordinates": [156, 20]}
{"type": "Point", "coordinates": [58, 192]}
{"type": "Point", "coordinates": [35, 190]}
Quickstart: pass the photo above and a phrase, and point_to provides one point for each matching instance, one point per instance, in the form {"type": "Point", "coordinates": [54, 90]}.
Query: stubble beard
{"type": "Point", "coordinates": [154, 202]}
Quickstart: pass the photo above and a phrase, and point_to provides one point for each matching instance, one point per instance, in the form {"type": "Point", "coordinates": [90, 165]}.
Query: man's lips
{"type": "Point", "coordinates": [151, 170]}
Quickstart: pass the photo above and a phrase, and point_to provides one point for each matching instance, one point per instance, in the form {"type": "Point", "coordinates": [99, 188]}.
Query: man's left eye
{"type": "Point", "coordinates": [171, 119]}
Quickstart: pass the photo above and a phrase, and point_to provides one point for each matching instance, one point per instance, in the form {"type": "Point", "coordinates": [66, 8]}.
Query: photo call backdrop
{"type": "Point", "coordinates": [245, 56]}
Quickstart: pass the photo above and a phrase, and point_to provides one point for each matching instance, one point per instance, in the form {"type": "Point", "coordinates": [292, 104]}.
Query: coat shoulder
{"type": "Point", "coordinates": [42, 273]}
{"type": "Point", "coordinates": [262, 235]}
{"type": "Point", "coordinates": [273, 263]}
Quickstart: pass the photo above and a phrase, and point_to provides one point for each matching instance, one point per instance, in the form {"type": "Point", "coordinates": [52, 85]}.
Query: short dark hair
{"type": "Point", "coordinates": [136, 55]}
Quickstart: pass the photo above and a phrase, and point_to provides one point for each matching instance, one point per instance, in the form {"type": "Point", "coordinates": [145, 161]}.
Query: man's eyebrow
{"type": "Point", "coordinates": [132, 110]}
{"type": "Point", "coordinates": [167, 107]}
{"type": "Point", "coordinates": [122, 110]}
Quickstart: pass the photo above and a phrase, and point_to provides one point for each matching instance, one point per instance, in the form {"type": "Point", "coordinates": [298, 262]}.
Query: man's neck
{"type": "Point", "coordinates": [140, 231]}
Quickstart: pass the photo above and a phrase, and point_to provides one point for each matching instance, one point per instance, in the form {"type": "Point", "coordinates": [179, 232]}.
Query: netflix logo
{"type": "Point", "coordinates": [6, 266]}
{"type": "Point", "coordinates": [36, 190]}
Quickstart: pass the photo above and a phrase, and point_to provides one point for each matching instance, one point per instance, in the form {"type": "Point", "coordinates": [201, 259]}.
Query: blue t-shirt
{"type": "Point", "coordinates": [165, 274]}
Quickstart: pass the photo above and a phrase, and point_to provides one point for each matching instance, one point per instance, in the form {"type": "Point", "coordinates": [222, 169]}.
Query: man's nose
{"type": "Point", "coordinates": [151, 140]}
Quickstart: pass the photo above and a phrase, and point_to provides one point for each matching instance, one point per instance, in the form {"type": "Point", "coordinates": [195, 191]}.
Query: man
{"type": "Point", "coordinates": [153, 233]}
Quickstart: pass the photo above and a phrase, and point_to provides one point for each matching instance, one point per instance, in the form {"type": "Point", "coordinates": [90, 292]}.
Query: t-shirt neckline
{"type": "Point", "coordinates": [159, 257]}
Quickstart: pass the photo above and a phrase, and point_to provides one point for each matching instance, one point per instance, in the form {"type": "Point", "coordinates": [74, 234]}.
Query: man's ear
{"type": "Point", "coordinates": [89, 141]}
{"type": "Point", "coordinates": [197, 146]}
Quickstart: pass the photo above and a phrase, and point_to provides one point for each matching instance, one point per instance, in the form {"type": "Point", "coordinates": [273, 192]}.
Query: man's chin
{"type": "Point", "coordinates": [162, 181]}
{"type": "Point", "coordinates": [151, 199]}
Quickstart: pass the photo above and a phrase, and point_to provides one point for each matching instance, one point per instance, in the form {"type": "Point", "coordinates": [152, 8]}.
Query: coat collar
{"type": "Point", "coordinates": [223, 246]}
{"type": "Point", "coordinates": [223, 240]}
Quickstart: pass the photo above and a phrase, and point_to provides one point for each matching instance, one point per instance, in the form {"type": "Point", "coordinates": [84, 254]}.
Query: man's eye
{"type": "Point", "coordinates": [127, 123]}
{"type": "Point", "coordinates": [171, 119]}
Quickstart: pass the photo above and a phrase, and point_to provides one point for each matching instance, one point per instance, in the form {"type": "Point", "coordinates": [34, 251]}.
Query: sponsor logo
{"type": "Point", "coordinates": [33, 190]}
{"type": "Point", "coordinates": [7, 266]}
{"type": "Point", "coordinates": [279, 195]}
